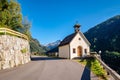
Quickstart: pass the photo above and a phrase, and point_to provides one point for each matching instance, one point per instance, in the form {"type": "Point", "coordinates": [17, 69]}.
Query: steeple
{"type": "Point", "coordinates": [76, 27]}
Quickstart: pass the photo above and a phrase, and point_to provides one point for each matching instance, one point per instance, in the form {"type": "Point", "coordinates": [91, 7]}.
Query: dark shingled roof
{"type": "Point", "coordinates": [69, 38]}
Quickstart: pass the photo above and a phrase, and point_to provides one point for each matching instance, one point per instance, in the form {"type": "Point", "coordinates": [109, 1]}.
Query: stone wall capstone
{"type": "Point", "coordinates": [14, 51]}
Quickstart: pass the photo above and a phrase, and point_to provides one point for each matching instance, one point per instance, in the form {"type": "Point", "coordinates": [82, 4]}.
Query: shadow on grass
{"type": "Point", "coordinates": [87, 70]}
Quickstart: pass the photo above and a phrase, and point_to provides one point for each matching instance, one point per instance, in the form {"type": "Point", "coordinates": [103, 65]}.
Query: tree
{"type": "Point", "coordinates": [11, 17]}
{"type": "Point", "coordinates": [25, 29]}
{"type": "Point", "coordinates": [10, 14]}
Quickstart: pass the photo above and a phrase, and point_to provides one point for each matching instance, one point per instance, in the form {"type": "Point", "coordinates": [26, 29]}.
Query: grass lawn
{"type": "Point", "coordinates": [94, 66]}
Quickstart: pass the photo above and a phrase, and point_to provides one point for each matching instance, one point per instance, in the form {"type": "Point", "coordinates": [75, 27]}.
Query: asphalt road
{"type": "Point", "coordinates": [44, 68]}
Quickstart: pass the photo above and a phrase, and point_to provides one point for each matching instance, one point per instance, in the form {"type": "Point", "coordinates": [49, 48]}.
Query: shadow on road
{"type": "Point", "coordinates": [38, 58]}
{"type": "Point", "coordinates": [87, 73]}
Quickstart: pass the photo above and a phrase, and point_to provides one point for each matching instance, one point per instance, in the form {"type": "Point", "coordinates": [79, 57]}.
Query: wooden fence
{"type": "Point", "coordinates": [12, 32]}
{"type": "Point", "coordinates": [114, 74]}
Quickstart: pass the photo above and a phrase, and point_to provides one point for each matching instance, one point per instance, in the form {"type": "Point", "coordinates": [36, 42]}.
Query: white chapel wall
{"type": "Point", "coordinates": [64, 51]}
{"type": "Point", "coordinates": [75, 43]}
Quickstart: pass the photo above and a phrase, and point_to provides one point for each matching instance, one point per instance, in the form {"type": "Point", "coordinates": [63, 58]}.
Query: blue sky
{"type": "Point", "coordinates": [54, 19]}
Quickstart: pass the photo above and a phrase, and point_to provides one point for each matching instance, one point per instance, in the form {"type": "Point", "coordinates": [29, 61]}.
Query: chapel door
{"type": "Point", "coordinates": [79, 51]}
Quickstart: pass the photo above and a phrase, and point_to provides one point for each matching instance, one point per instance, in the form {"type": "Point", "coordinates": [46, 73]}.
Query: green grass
{"type": "Point", "coordinates": [3, 33]}
{"type": "Point", "coordinates": [95, 67]}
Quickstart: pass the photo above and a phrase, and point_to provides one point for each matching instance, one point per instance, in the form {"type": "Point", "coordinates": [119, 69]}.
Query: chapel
{"type": "Point", "coordinates": [74, 45]}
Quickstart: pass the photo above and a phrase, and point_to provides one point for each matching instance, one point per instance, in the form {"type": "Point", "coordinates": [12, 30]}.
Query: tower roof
{"type": "Point", "coordinates": [77, 25]}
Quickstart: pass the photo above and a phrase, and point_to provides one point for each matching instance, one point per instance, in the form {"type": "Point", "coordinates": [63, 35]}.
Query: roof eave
{"type": "Point", "coordinates": [63, 45]}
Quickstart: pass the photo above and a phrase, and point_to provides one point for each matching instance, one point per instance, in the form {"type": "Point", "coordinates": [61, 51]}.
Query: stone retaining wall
{"type": "Point", "coordinates": [14, 51]}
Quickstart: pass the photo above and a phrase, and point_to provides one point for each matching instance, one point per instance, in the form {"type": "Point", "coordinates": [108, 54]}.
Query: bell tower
{"type": "Point", "coordinates": [76, 27]}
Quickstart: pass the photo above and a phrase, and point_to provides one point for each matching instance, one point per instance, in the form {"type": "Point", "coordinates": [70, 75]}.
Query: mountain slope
{"type": "Point", "coordinates": [53, 44]}
{"type": "Point", "coordinates": [105, 36]}
{"type": "Point", "coordinates": [36, 47]}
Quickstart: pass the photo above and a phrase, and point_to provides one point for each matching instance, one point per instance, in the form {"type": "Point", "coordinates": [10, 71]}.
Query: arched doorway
{"type": "Point", "coordinates": [79, 51]}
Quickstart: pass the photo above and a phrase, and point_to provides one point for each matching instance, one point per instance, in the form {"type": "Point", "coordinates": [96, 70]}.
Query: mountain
{"type": "Point", "coordinates": [36, 47]}
{"type": "Point", "coordinates": [53, 44]}
{"type": "Point", "coordinates": [105, 36]}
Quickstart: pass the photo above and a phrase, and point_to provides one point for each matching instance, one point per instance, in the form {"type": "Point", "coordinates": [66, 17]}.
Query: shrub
{"type": "Point", "coordinates": [24, 50]}
{"type": "Point", "coordinates": [95, 67]}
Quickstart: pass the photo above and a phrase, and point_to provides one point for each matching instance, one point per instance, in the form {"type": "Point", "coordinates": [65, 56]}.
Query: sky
{"type": "Point", "coordinates": [54, 19]}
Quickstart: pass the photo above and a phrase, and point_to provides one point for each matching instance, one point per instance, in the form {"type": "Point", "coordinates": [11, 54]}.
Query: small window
{"type": "Point", "coordinates": [79, 38]}
{"type": "Point", "coordinates": [74, 50]}
{"type": "Point", "coordinates": [85, 50]}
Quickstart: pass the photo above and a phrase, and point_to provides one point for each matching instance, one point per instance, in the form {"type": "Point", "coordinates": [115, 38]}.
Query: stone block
{"type": "Point", "coordinates": [5, 65]}
{"type": "Point", "coordinates": [17, 62]}
{"type": "Point", "coordinates": [1, 47]}
{"type": "Point", "coordinates": [0, 65]}
{"type": "Point", "coordinates": [12, 63]}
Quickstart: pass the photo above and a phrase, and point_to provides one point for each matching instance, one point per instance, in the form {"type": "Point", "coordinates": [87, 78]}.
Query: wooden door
{"type": "Point", "coordinates": [79, 51]}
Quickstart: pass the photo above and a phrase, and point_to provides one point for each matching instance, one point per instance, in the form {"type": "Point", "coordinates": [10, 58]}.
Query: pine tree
{"type": "Point", "coordinates": [26, 27]}
{"type": "Point", "coordinates": [10, 14]}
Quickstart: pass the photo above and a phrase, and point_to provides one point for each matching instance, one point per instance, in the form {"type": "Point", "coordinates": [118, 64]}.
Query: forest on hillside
{"type": "Point", "coordinates": [105, 37]}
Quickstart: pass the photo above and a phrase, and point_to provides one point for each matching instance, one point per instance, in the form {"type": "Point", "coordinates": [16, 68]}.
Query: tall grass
{"type": "Point", "coordinates": [95, 67]}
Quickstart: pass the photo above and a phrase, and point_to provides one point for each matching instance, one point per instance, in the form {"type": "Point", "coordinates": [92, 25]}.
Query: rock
{"type": "Point", "coordinates": [11, 54]}
{"type": "Point", "coordinates": [0, 65]}
{"type": "Point", "coordinates": [12, 63]}
{"type": "Point", "coordinates": [5, 65]}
